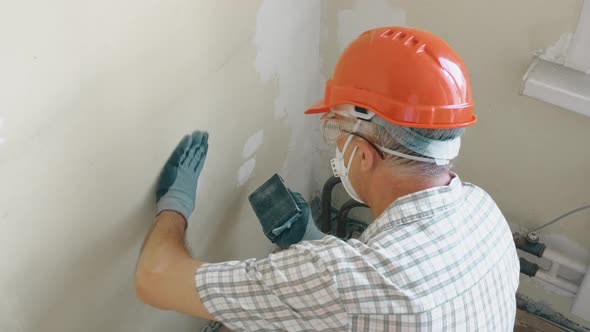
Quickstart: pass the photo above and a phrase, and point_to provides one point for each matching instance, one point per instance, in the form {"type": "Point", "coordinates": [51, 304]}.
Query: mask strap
{"type": "Point", "coordinates": [350, 136]}
{"type": "Point", "coordinates": [350, 160]}
{"type": "Point", "coordinates": [348, 140]}
{"type": "Point", "coordinates": [356, 126]}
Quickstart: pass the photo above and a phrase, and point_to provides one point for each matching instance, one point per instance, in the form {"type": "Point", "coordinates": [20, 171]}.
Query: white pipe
{"type": "Point", "coordinates": [560, 259]}
{"type": "Point", "coordinates": [562, 284]}
{"type": "Point", "coordinates": [554, 269]}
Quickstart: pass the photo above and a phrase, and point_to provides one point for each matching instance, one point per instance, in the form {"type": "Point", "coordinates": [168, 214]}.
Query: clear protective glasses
{"type": "Point", "coordinates": [332, 128]}
{"type": "Point", "coordinates": [341, 120]}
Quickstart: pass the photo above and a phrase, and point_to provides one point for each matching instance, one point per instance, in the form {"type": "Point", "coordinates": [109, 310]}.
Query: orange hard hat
{"type": "Point", "coordinates": [407, 76]}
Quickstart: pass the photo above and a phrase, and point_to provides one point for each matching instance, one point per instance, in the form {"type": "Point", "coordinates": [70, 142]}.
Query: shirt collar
{"type": "Point", "coordinates": [420, 205]}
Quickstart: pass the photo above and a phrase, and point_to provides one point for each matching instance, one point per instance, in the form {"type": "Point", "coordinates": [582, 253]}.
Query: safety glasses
{"type": "Point", "coordinates": [335, 125]}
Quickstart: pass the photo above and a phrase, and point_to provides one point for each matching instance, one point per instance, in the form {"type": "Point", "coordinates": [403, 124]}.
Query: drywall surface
{"type": "Point", "coordinates": [532, 157]}
{"type": "Point", "coordinates": [288, 35]}
{"type": "Point", "coordinates": [93, 98]}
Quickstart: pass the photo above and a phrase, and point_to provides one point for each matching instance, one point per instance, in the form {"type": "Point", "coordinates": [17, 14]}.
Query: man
{"type": "Point", "coordinates": [439, 255]}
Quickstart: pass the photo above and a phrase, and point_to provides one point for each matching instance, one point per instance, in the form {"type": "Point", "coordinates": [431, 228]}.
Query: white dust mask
{"type": "Point", "coordinates": [342, 172]}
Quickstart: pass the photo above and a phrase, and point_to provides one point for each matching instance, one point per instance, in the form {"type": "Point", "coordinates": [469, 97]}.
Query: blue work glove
{"type": "Point", "coordinates": [312, 232]}
{"type": "Point", "coordinates": [177, 186]}
{"type": "Point", "coordinates": [302, 228]}
{"type": "Point", "coordinates": [284, 215]}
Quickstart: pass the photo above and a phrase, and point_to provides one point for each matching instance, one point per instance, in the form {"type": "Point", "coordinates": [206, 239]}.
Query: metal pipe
{"type": "Point", "coordinates": [560, 259]}
{"type": "Point", "coordinates": [554, 269]}
{"type": "Point", "coordinates": [533, 248]}
{"type": "Point", "coordinates": [531, 245]}
{"type": "Point", "coordinates": [564, 285]}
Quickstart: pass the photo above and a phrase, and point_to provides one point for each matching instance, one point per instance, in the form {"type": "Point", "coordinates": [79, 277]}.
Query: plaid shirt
{"type": "Point", "coordinates": [441, 259]}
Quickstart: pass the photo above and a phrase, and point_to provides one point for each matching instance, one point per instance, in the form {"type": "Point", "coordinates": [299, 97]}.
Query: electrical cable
{"type": "Point", "coordinates": [561, 217]}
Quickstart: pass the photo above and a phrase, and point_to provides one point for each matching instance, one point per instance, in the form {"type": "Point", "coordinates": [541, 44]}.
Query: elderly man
{"type": "Point", "coordinates": [439, 255]}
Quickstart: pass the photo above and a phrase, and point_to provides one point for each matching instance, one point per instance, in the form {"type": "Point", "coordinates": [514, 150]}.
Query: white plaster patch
{"type": "Point", "coordinates": [366, 15]}
{"type": "Point", "coordinates": [252, 144]}
{"type": "Point", "coordinates": [287, 44]}
{"type": "Point", "coordinates": [557, 52]}
{"type": "Point", "coordinates": [245, 171]}
{"type": "Point", "coordinates": [288, 50]}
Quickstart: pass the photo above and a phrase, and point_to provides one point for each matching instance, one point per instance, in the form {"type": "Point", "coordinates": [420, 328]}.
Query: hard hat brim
{"type": "Point", "coordinates": [319, 108]}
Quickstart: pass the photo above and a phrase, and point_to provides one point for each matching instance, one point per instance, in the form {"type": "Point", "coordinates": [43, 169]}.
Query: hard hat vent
{"type": "Point", "coordinates": [406, 39]}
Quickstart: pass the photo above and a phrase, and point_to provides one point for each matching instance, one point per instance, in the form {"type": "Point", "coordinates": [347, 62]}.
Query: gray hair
{"type": "Point", "coordinates": [382, 137]}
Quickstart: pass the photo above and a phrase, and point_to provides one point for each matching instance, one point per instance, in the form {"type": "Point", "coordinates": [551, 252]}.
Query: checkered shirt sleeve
{"type": "Point", "coordinates": [292, 290]}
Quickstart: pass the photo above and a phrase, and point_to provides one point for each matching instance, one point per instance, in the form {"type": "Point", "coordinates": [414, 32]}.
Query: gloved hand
{"type": "Point", "coordinates": [302, 228]}
{"type": "Point", "coordinates": [177, 186]}
{"type": "Point", "coordinates": [282, 223]}
{"type": "Point", "coordinates": [312, 232]}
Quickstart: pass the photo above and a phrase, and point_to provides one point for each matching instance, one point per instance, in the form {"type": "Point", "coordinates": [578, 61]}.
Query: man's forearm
{"type": "Point", "coordinates": [165, 238]}
{"type": "Point", "coordinates": [165, 264]}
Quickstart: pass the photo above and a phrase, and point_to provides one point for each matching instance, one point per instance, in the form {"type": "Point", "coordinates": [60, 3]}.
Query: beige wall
{"type": "Point", "coordinates": [93, 98]}
{"type": "Point", "coordinates": [532, 157]}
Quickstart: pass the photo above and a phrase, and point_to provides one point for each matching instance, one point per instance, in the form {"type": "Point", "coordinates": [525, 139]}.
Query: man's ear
{"type": "Point", "coordinates": [367, 155]}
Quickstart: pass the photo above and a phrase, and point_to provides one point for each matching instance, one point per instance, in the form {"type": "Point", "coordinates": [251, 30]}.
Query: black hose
{"type": "Point", "coordinates": [343, 216]}
{"type": "Point", "coordinates": [325, 218]}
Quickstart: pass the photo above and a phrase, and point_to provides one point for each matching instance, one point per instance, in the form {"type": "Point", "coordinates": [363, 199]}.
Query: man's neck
{"type": "Point", "coordinates": [387, 189]}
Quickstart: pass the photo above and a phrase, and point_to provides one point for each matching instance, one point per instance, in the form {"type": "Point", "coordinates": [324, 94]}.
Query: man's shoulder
{"type": "Point", "coordinates": [472, 191]}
